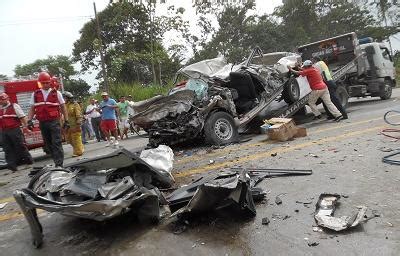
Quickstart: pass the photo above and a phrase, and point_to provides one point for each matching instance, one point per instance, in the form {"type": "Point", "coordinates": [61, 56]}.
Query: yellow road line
{"type": "Point", "coordinates": [268, 153]}
{"type": "Point", "coordinates": [251, 145]}
{"type": "Point", "coordinates": [7, 200]}
{"type": "Point", "coordinates": [12, 215]}
{"type": "Point", "coordinates": [18, 214]}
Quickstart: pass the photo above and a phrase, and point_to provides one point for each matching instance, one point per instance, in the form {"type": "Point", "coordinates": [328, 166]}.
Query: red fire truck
{"type": "Point", "coordinates": [20, 91]}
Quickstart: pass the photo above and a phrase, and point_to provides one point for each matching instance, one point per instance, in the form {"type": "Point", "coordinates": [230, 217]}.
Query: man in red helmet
{"type": "Point", "coordinates": [47, 105]}
{"type": "Point", "coordinates": [11, 118]}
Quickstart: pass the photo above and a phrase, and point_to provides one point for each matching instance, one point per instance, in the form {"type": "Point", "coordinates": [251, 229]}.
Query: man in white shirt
{"type": "Point", "coordinates": [93, 113]}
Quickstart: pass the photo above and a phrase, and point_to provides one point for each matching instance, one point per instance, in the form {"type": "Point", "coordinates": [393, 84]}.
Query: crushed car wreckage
{"type": "Point", "coordinates": [215, 100]}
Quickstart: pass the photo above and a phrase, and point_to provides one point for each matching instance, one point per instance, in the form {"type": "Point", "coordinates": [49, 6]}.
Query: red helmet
{"type": "Point", "coordinates": [54, 81]}
{"type": "Point", "coordinates": [44, 77]}
{"type": "Point", "coordinates": [3, 96]}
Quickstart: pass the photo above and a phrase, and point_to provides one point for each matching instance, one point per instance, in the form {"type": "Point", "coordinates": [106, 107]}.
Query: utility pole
{"type": "Point", "coordinates": [103, 65]}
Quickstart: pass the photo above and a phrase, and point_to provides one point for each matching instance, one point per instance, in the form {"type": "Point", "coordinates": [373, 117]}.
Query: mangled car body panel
{"type": "Point", "coordinates": [99, 188]}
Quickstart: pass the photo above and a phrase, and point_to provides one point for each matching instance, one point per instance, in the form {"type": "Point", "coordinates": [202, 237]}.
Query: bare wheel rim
{"type": "Point", "coordinates": [387, 88]}
{"type": "Point", "coordinates": [223, 129]}
{"type": "Point", "coordinates": [294, 90]}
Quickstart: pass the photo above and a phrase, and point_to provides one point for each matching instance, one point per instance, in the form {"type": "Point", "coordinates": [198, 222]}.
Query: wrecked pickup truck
{"type": "Point", "coordinates": [214, 100]}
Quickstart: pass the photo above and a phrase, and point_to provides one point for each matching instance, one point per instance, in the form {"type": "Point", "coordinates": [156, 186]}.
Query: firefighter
{"type": "Point", "coordinates": [73, 133]}
{"type": "Point", "coordinates": [47, 105]}
{"type": "Point", "coordinates": [11, 118]}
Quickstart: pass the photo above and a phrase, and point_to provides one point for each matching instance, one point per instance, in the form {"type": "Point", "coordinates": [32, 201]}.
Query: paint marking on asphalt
{"type": "Point", "coordinates": [12, 215]}
{"type": "Point", "coordinates": [7, 200]}
{"type": "Point", "coordinates": [268, 153]}
{"type": "Point", "coordinates": [19, 214]}
{"type": "Point", "coordinates": [252, 145]}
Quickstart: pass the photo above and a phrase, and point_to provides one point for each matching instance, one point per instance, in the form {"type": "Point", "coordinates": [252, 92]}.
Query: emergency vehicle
{"type": "Point", "coordinates": [20, 92]}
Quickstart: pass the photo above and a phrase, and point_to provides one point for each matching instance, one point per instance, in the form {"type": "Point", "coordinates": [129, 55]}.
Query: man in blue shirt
{"type": "Point", "coordinates": [108, 119]}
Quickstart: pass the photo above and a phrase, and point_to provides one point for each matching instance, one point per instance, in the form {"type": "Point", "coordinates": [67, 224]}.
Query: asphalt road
{"type": "Point", "coordinates": [345, 158]}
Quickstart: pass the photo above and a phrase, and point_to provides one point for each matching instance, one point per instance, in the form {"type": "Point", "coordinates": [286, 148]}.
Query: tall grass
{"type": "Point", "coordinates": [138, 92]}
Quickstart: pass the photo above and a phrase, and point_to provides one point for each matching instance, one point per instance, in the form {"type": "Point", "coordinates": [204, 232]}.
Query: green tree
{"type": "Point", "coordinates": [239, 30]}
{"type": "Point", "coordinates": [3, 77]}
{"type": "Point", "coordinates": [59, 65]}
{"type": "Point", "coordinates": [131, 38]}
{"type": "Point", "coordinates": [310, 20]}
{"type": "Point", "coordinates": [78, 87]}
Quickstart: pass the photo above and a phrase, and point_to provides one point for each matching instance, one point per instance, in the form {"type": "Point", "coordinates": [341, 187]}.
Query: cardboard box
{"type": "Point", "coordinates": [282, 131]}
{"type": "Point", "coordinates": [278, 120]}
{"type": "Point", "coordinates": [301, 132]}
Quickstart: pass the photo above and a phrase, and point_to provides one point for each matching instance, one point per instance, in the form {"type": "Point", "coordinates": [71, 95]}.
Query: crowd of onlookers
{"type": "Point", "coordinates": [92, 118]}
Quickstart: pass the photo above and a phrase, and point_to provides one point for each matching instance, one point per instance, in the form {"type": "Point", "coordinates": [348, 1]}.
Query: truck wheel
{"type": "Point", "coordinates": [220, 129]}
{"type": "Point", "coordinates": [386, 91]}
{"type": "Point", "coordinates": [343, 95]}
{"type": "Point", "coordinates": [291, 92]}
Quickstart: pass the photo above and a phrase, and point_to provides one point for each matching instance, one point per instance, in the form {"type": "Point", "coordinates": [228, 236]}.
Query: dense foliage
{"type": "Point", "coordinates": [60, 66]}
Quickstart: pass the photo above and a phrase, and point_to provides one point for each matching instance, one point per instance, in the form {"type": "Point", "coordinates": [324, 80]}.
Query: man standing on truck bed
{"type": "Point", "coordinates": [48, 104]}
{"type": "Point", "coordinates": [11, 118]}
{"type": "Point", "coordinates": [318, 90]}
{"type": "Point", "coordinates": [326, 75]}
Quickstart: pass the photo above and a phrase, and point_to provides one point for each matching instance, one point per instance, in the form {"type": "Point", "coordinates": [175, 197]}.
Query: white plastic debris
{"type": "Point", "coordinates": [3, 205]}
{"type": "Point", "coordinates": [160, 158]}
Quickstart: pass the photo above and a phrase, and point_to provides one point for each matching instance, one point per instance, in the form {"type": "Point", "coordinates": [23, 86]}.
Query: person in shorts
{"type": "Point", "coordinates": [108, 119]}
{"type": "Point", "coordinates": [123, 117]}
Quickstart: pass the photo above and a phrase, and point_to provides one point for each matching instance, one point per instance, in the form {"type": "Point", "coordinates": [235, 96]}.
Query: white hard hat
{"type": "Point", "coordinates": [307, 63]}
{"type": "Point", "coordinates": [104, 94]}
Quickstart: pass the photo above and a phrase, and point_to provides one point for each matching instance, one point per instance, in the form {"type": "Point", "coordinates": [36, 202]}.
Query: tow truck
{"type": "Point", "coordinates": [362, 67]}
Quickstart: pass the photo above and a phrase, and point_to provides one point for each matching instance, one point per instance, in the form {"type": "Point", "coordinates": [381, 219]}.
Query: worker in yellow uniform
{"type": "Point", "coordinates": [73, 133]}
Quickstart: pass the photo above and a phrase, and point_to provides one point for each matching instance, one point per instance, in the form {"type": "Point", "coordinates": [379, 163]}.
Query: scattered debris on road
{"type": "Point", "coordinates": [3, 205]}
{"type": "Point", "coordinates": [230, 191]}
{"type": "Point", "coordinates": [312, 243]}
{"type": "Point", "coordinates": [325, 209]}
{"type": "Point", "coordinates": [110, 185]}
{"type": "Point", "coordinates": [278, 200]}
{"type": "Point", "coordinates": [265, 221]}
